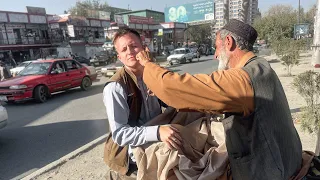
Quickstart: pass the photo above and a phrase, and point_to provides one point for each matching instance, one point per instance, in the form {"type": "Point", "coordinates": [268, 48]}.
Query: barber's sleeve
{"type": "Point", "coordinates": [115, 101]}
{"type": "Point", "coordinates": [219, 92]}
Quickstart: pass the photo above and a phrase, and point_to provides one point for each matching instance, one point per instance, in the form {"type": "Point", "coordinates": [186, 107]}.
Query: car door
{"type": "Point", "coordinates": [76, 72]}
{"type": "Point", "coordinates": [59, 77]}
{"type": "Point", "coordinates": [189, 54]}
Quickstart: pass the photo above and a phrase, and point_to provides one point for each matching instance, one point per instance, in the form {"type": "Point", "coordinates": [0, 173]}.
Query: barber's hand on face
{"type": "Point", "coordinates": [171, 136]}
{"type": "Point", "coordinates": [144, 56]}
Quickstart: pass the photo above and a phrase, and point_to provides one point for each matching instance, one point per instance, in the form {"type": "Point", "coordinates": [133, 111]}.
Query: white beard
{"type": "Point", "coordinates": [223, 61]}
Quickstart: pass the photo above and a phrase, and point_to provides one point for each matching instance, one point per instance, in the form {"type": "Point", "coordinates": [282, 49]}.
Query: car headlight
{"type": "Point", "coordinates": [18, 87]}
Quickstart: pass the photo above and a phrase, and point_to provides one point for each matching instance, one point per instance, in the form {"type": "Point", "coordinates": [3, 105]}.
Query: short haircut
{"type": "Point", "coordinates": [124, 31]}
{"type": "Point", "coordinates": [240, 42]}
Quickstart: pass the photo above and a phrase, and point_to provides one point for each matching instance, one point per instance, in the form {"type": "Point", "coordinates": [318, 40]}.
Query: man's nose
{"type": "Point", "coordinates": [130, 50]}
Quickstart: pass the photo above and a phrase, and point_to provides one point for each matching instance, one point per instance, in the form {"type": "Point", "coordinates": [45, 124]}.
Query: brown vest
{"type": "Point", "coordinates": [115, 156]}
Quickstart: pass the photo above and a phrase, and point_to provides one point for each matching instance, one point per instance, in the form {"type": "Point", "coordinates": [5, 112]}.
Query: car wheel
{"type": "Point", "coordinates": [190, 60]}
{"type": "Point", "coordinates": [41, 94]}
{"type": "Point", "coordinates": [86, 83]}
{"type": "Point", "coordinates": [184, 60]}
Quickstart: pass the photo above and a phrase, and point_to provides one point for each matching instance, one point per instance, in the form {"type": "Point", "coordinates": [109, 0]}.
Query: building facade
{"type": "Point", "coordinates": [78, 35]}
{"type": "Point", "coordinates": [155, 16]}
{"type": "Point", "coordinates": [24, 36]}
{"type": "Point", "coordinates": [235, 9]}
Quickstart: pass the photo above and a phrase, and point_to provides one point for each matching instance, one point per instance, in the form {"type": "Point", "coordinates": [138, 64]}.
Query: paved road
{"type": "Point", "coordinates": [39, 134]}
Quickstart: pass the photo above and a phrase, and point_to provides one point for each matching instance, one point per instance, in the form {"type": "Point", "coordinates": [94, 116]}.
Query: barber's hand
{"type": "Point", "coordinates": [171, 136]}
{"type": "Point", "coordinates": [144, 56]}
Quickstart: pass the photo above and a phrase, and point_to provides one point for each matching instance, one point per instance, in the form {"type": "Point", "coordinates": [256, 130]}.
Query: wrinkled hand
{"type": "Point", "coordinates": [171, 136]}
{"type": "Point", "coordinates": [144, 56]}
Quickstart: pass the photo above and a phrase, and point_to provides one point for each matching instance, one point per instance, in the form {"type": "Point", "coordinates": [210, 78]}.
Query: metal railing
{"type": "Point", "coordinates": [22, 41]}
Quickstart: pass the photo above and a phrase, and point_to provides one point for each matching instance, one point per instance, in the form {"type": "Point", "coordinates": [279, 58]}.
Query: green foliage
{"type": "Point", "coordinates": [81, 7]}
{"type": "Point", "coordinates": [278, 22]}
{"type": "Point", "coordinates": [307, 85]}
{"type": "Point", "coordinates": [200, 33]}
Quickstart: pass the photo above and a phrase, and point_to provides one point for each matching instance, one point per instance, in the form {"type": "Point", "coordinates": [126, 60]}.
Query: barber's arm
{"type": "Point", "coordinates": [219, 92]}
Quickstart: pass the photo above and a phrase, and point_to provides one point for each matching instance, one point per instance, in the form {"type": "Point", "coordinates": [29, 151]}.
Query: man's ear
{"type": "Point", "coordinates": [230, 43]}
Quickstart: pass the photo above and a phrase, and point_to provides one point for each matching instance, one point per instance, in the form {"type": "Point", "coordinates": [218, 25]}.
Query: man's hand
{"type": "Point", "coordinates": [144, 56]}
{"type": "Point", "coordinates": [171, 136]}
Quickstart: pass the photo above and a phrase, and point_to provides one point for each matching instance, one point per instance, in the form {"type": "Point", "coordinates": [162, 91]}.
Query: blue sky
{"type": "Point", "coordinates": [58, 6]}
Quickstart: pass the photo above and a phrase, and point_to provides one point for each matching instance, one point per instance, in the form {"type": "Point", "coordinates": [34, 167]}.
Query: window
{"type": "Point", "coordinates": [58, 67]}
{"type": "Point", "coordinates": [72, 65]}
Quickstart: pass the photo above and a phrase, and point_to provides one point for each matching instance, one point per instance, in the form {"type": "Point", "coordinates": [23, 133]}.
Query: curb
{"type": "Point", "coordinates": [67, 157]}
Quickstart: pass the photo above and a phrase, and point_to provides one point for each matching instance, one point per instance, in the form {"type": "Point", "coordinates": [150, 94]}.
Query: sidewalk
{"type": "Point", "coordinates": [90, 166]}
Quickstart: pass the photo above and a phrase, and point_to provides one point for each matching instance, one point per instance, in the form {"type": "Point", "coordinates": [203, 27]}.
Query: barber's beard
{"type": "Point", "coordinates": [223, 60]}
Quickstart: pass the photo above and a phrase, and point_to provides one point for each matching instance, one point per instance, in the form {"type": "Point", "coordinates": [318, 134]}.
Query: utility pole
{"type": "Point", "coordinates": [299, 13]}
{"type": "Point", "coordinates": [316, 40]}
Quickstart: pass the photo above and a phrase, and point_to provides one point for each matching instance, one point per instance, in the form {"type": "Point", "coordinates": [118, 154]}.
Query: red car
{"type": "Point", "coordinates": [41, 78]}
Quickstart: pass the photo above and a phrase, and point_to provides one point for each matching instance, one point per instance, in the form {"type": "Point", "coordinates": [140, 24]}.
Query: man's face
{"type": "Point", "coordinates": [221, 54]}
{"type": "Point", "coordinates": [128, 46]}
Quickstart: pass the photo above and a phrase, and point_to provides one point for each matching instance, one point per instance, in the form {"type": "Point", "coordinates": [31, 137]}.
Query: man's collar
{"type": "Point", "coordinates": [243, 61]}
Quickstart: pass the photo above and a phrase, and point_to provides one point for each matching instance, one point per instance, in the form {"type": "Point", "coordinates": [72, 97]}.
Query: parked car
{"type": "Point", "coordinates": [20, 67]}
{"type": "Point", "coordinates": [82, 60]}
{"type": "Point", "coordinates": [181, 55]}
{"type": "Point", "coordinates": [42, 78]}
{"type": "Point", "coordinates": [100, 58]}
{"type": "Point", "coordinates": [3, 117]}
{"type": "Point", "coordinates": [111, 69]}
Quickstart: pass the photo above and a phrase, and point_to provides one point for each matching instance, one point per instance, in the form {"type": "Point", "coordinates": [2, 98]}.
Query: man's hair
{"type": "Point", "coordinates": [122, 32]}
{"type": "Point", "coordinates": [240, 42]}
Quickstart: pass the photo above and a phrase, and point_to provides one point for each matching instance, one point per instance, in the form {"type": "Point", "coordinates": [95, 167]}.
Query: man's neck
{"type": "Point", "coordinates": [235, 60]}
{"type": "Point", "coordinates": [138, 72]}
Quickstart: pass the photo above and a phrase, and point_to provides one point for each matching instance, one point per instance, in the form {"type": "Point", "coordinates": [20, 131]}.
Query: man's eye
{"type": "Point", "coordinates": [124, 49]}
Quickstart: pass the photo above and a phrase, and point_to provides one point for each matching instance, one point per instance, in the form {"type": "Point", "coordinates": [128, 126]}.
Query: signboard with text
{"type": "Point", "coordinates": [140, 20]}
{"type": "Point", "coordinates": [36, 10]}
{"type": "Point", "coordinates": [197, 11]}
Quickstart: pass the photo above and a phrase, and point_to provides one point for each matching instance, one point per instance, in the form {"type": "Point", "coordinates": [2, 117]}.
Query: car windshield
{"type": "Point", "coordinates": [36, 69]}
{"type": "Point", "coordinates": [180, 51]}
{"type": "Point", "coordinates": [24, 64]}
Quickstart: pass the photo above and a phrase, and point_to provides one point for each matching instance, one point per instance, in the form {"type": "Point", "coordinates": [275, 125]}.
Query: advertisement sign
{"type": "Point", "coordinates": [71, 30]}
{"type": "Point", "coordinates": [119, 19]}
{"type": "Point", "coordinates": [301, 29]}
{"type": "Point", "coordinates": [140, 20]}
{"type": "Point", "coordinates": [160, 32]}
{"type": "Point", "coordinates": [98, 14]}
{"type": "Point", "coordinates": [197, 11]}
{"type": "Point", "coordinates": [36, 10]}
{"type": "Point", "coordinates": [104, 15]}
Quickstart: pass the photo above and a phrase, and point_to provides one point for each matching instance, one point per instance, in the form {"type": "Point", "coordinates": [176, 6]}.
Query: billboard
{"type": "Point", "coordinates": [140, 20]}
{"type": "Point", "coordinates": [36, 10]}
{"type": "Point", "coordinates": [301, 29]}
{"type": "Point", "coordinates": [98, 14]}
{"type": "Point", "coordinates": [197, 11]}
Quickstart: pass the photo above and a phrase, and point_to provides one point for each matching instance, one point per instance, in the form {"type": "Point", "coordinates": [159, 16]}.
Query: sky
{"type": "Point", "coordinates": [58, 6]}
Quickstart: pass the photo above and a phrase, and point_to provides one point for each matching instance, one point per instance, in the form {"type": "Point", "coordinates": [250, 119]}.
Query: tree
{"type": "Point", "coordinates": [200, 33]}
{"type": "Point", "coordinates": [81, 8]}
{"type": "Point", "coordinates": [308, 86]}
{"type": "Point", "coordinates": [278, 23]}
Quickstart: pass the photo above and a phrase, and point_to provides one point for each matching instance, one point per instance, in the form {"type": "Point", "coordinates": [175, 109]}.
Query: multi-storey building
{"type": "Point", "coordinates": [234, 9]}
{"type": "Point", "coordinates": [24, 35]}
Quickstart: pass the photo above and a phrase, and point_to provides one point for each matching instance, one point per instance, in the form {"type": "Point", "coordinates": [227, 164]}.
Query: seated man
{"type": "Point", "coordinates": [128, 107]}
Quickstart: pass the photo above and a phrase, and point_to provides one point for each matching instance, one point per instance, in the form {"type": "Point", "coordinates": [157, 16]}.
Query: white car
{"type": "Point", "coordinates": [181, 55]}
{"type": "Point", "coordinates": [3, 117]}
{"type": "Point", "coordinates": [111, 69]}
{"type": "Point", "coordinates": [20, 67]}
